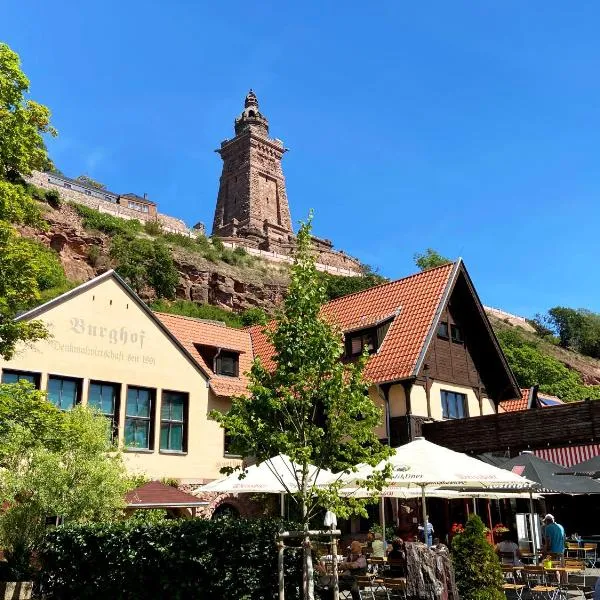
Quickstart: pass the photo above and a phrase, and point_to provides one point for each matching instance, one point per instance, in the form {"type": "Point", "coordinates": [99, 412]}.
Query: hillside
{"type": "Point", "coordinates": [85, 251]}
{"type": "Point", "coordinates": [211, 281]}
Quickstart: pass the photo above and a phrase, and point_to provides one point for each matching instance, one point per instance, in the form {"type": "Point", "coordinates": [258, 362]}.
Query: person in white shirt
{"type": "Point", "coordinates": [507, 546]}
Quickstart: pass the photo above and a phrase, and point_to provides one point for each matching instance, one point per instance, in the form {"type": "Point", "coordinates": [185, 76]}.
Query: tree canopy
{"type": "Point", "coordinates": [52, 463]}
{"type": "Point", "coordinates": [532, 366]}
{"type": "Point", "coordinates": [311, 406]}
{"type": "Point", "coordinates": [430, 259]}
{"type": "Point", "coordinates": [26, 268]}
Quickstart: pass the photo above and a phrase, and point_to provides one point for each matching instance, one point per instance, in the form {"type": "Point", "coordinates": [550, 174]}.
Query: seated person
{"type": "Point", "coordinates": [354, 565]}
{"type": "Point", "coordinates": [377, 546]}
{"type": "Point", "coordinates": [508, 546]}
{"type": "Point", "coordinates": [397, 559]}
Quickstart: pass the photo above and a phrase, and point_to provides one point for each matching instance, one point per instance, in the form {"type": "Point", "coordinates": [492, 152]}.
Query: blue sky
{"type": "Point", "coordinates": [469, 127]}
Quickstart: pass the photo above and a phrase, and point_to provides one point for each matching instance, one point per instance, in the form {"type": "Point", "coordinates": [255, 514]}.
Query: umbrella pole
{"type": "Point", "coordinates": [533, 529]}
{"type": "Point", "coordinates": [425, 517]}
{"type": "Point", "coordinates": [474, 505]}
{"type": "Point", "coordinates": [282, 504]}
{"type": "Point", "coordinates": [382, 517]}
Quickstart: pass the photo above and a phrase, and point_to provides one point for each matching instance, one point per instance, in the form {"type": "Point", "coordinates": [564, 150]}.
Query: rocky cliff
{"type": "Point", "coordinates": [84, 254]}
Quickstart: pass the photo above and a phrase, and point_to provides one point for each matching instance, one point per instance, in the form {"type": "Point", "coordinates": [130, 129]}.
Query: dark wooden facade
{"type": "Point", "coordinates": [477, 362]}
{"type": "Point", "coordinates": [451, 361]}
{"type": "Point", "coordinates": [556, 426]}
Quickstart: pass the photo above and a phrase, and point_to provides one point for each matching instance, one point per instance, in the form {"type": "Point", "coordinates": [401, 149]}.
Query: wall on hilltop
{"type": "Point", "coordinates": [92, 199]}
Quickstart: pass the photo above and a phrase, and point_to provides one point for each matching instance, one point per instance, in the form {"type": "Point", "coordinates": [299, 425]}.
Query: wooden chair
{"type": "Point", "coordinates": [375, 564]}
{"type": "Point", "coordinates": [365, 587]}
{"type": "Point", "coordinates": [395, 587]}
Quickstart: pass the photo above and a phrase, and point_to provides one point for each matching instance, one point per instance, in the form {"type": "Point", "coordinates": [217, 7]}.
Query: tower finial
{"type": "Point", "coordinates": [251, 99]}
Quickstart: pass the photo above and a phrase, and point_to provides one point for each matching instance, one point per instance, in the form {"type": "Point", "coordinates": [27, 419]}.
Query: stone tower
{"type": "Point", "coordinates": [252, 202]}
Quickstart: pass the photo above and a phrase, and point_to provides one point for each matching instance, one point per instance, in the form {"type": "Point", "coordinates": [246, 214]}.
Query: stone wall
{"type": "Point", "coordinates": [109, 204]}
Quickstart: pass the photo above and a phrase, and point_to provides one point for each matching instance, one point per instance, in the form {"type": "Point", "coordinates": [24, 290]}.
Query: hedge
{"type": "Point", "coordinates": [226, 559]}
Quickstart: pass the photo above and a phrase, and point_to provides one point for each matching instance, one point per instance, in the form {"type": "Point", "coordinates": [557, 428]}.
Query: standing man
{"type": "Point", "coordinates": [554, 538]}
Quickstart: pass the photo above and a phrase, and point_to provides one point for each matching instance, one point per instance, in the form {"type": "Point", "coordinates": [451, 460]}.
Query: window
{"type": "Point", "coordinates": [173, 411]}
{"type": "Point", "coordinates": [68, 186]}
{"type": "Point", "coordinates": [64, 392]}
{"type": "Point", "coordinates": [457, 335]}
{"type": "Point", "coordinates": [138, 418]}
{"type": "Point", "coordinates": [15, 376]}
{"type": "Point", "coordinates": [227, 363]}
{"type": "Point", "coordinates": [443, 330]}
{"type": "Point", "coordinates": [105, 398]}
{"type": "Point", "coordinates": [356, 342]}
{"type": "Point", "coordinates": [454, 405]}
{"type": "Point", "coordinates": [227, 444]}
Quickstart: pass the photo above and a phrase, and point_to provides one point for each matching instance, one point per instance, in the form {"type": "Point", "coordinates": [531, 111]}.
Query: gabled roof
{"type": "Point", "coordinates": [155, 494]}
{"type": "Point", "coordinates": [192, 333]}
{"type": "Point", "coordinates": [414, 304]}
{"type": "Point", "coordinates": [92, 283]}
{"type": "Point", "coordinates": [414, 301]}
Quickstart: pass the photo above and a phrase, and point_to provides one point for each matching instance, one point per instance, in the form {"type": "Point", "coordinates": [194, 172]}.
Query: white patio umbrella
{"type": "Point", "coordinates": [424, 466]}
{"type": "Point", "coordinates": [277, 475]}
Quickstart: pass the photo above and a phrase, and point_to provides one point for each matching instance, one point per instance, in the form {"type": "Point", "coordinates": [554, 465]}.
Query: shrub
{"type": "Point", "coordinates": [217, 244]}
{"type": "Point", "coordinates": [145, 262]}
{"type": "Point", "coordinates": [52, 197]}
{"type": "Point", "coordinates": [187, 308]}
{"type": "Point", "coordinates": [153, 227]}
{"type": "Point", "coordinates": [229, 559]}
{"type": "Point", "coordinates": [476, 564]}
{"type": "Point", "coordinates": [93, 255]}
{"type": "Point", "coordinates": [93, 219]}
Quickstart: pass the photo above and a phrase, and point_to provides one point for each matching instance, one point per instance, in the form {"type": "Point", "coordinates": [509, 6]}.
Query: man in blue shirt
{"type": "Point", "coordinates": [554, 537]}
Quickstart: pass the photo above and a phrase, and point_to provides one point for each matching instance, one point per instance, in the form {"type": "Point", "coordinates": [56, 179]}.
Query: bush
{"type": "Point", "coordinates": [338, 285]}
{"type": "Point", "coordinates": [52, 197]}
{"type": "Point", "coordinates": [93, 255]}
{"type": "Point", "coordinates": [93, 219]}
{"type": "Point", "coordinates": [229, 559]}
{"type": "Point", "coordinates": [145, 262]}
{"type": "Point", "coordinates": [153, 227]}
{"type": "Point", "coordinates": [476, 564]}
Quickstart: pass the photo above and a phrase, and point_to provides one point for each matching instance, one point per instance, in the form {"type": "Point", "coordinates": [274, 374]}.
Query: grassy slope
{"type": "Point", "coordinates": [588, 367]}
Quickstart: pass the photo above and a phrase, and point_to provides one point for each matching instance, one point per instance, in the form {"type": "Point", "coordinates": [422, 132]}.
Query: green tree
{"type": "Point", "coordinates": [53, 463]}
{"type": "Point", "coordinates": [476, 564]}
{"type": "Point", "coordinates": [22, 126]}
{"type": "Point", "coordinates": [23, 122]}
{"type": "Point", "coordinates": [430, 259]}
{"type": "Point", "coordinates": [532, 366]}
{"type": "Point", "coordinates": [577, 329]}
{"type": "Point", "coordinates": [311, 406]}
{"type": "Point", "coordinates": [145, 262]}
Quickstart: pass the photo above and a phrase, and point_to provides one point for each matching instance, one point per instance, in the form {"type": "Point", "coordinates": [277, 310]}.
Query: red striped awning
{"type": "Point", "coordinates": [569, 456]}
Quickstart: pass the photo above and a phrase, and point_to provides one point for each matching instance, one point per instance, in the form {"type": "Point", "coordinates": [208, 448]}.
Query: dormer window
{"type": "Point", "coordinates": [227, 363]}
{"type": "Point", "coordinates": [360, 340]}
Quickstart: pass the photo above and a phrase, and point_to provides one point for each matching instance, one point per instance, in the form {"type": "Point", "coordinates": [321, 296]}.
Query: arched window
{"type": "Point", "coordinates": [225, 511]}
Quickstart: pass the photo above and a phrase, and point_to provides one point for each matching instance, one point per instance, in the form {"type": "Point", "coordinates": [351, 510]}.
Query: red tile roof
{"type": "Point", "coordinates": [191, 332]}
{"type": "Point", "coordinates": [516, 404]}
{"type": "Point", "coordinates": [412, 303]}
{"type": "Point", "coordinates": [523, 402]}
{"type": "Point", "coordinates": [155, 494]}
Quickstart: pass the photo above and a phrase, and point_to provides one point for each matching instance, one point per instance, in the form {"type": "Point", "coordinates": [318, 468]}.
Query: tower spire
{"type": "Point", "coordinates": [251, 117]}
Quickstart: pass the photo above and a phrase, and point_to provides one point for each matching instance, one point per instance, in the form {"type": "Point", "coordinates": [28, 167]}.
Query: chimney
{"type": "Point", "coordinates": [145, 196]}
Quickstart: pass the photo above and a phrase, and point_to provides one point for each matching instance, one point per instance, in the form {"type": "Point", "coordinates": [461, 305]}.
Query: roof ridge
{"type": "Point", "coordinates": [375, 287]}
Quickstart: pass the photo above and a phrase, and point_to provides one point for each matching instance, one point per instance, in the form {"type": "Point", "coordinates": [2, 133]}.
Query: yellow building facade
{"type": "Point", "coordinates": [108, 350]}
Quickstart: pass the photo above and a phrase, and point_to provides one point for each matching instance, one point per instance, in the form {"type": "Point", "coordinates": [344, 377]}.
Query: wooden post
{"type": "Point", "coordinates": [280, 569]}
{"type": "Point", "coordinates": [336, 583]}
{"type": "Point", "coordinates": [489, 511]}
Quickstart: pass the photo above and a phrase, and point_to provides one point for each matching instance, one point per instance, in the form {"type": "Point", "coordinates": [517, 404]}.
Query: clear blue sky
{"type": "Point", "coordinates": [470, 127]}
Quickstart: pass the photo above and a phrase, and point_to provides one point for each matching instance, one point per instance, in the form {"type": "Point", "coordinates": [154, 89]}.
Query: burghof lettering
{"type": "Point", "coordinates": [122, 335]}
